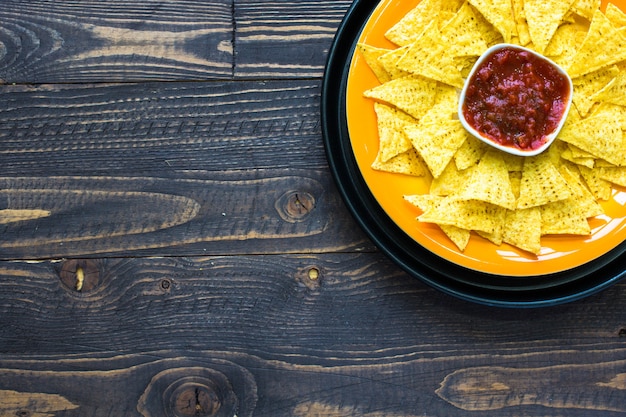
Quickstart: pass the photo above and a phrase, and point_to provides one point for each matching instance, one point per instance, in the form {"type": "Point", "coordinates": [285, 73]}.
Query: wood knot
{"type": "Point", "coordinates": [310, 276]}
{"type": "Point", "coordinates": [189, 392]}
{"type": "Point", "coordinates": [80, 275]}
{"type": "Point", "coordinates": [295, 206]}
{"type": "Point", "coordinates": [195, 400]}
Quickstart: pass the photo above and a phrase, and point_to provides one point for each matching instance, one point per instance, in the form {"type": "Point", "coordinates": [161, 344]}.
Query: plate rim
{"type": "Point", "coordinates": [418, 261]}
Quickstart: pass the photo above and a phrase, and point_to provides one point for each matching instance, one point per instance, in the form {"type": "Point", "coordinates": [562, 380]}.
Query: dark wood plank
{"type": "Point", "coordinates": [167, 168]}
{"type": "Point", "coordinates": [285, 38]}
{"type": "Point", "coordinates": [357, 337]}
{"type": "Point", "coordinates": [162, 128]}
{"type": "Point", "coordinates": [105, 41]}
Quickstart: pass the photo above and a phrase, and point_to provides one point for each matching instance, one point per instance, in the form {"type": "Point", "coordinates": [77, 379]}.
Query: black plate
{"type": "Point", "coordinates": [467, 284]}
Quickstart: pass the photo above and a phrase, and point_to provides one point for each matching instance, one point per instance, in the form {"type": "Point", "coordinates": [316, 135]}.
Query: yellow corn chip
{"type": "Point", "coordinates": [489, 182]}
{"type": "Point", "coordinates": [470, 215]}
{"type": "Point", "coordinates": [391, 122]}
{"type": "Point", "coordinates": [449, 182]}
{"type": "Point", "coordinates": [389, 60]}
{"type": "Point", "coordinates": [437, 142]}
{"type": "Point", "coordinates": [469, 153]}
{"type": "Point", "coordinates": [586, 8]}
{"type": "Point", "coordinates": [522, 228]}
{"type": "Point", "coordinates": [462, 34]}
{"type": "Point", "coordinates": [615, 175]}
{"type": "Point", "coordinates": [565, 42]}
{"type": "Point", "coordinates": [564, 217]}
{"type": "Point", "coordinates": [411, 26]}
{"type": "Point", "coordinates": [429, 57]}
{"type": "Point", "coordinates": [544, 17]}
{"type": "Point", "coordinates": [580, 193]}
{"type": "Point", "coordinates": [568, 155]}
{"type": "Point", "coordinates": [603, 46]}
{"type": "Point", "coordinates": [541, 183]}
{"type": "Point", "coordinates": [599, 135]}
{"type": "Point", "coordinates": [523, 34]}
{"type": "Point", "coordinates": [414, 95]}
{"type": "Point", "coordinates": [615, 15]}
{"type": "Point", "coordinates": [599, 187]}
{"type": "Point", "coordinates": [371, 55]}
{"type": "Point", "coordinates": [589, 84]}
{"type": "Point", "coordinates": [408, 163]}
{"type": "Point", "coordinates": [460, 237]}
{"type": "Point", "coordinates": [614, 92]}
{"type": "Point", "coordinates": [500, 14]}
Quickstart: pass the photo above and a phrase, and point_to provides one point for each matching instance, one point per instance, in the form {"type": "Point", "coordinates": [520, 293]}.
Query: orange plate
{"type": "Point", "coordinates": [559, 253]}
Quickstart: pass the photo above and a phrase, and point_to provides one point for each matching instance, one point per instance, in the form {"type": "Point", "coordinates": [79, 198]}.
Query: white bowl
{"type": "Point", "coordinates": [549, 138]}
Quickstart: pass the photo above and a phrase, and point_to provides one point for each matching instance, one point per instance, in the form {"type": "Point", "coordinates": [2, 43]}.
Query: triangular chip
{"type": "Point", "coordinates": [523, 34]}
{"type": "Point", "coordinates": [437, 142]}
{"type": "Point", "coordinates": [411, 26]}
{"type": "Point", "coordinates": [460, 237]}
{"type": "Point", "coordinates": [587, 87]}
{"type": "Point", "coordinates": [371, 55]}
{"type": "Point", "coordinates": [615, 175]}
{"type": "Point", "coordinates": [615, 15]}
{"type": "Point", "coordinates": [470, 152]}
{"type": "Point", "coordinates": [389, 60]}
{"type": "Point", "coordinates": [564, 217]}
{"type": "Point", "coordinates": [586, 8]}
{"type": "Point", "coordinates": [408, 163]}
{"type": "Point", "coordinates": [429, 57]}
{"type": "Point", "coordinates": [489, 182]}
{"type": "Point", "coordinates": [499, 13]}
{"type": "Point", "coordinates": [462, 34]}
{"type": "Point", "coordinates": [391, 122]}
{"type": "Point", "coordinates": [599, 187]}
{"type": "Point", "coordinates": [414, 95]}
{"type": "Point", "coordinates": [449, 182]}
{"type": "Point", "coordinates": [599, 135]}
{"type": "Point", "coordinates": [584, 199]}
{"type": "Point", "coordinates": [603, 46]}
{"type": "Point", "coordinates": [470, 215]}
{"type": "Point", "coordinates": [614, 92]}
{"type": "Point", "coordinates": [544, 17]}
{"type": "Point", "coordinates": [541, 183]}
{"type": "Point", "coordinates": [522, 229]}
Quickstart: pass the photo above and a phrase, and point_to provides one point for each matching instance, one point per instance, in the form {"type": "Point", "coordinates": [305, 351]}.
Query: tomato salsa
{"type": "Point", "coordinates": [516, 98]}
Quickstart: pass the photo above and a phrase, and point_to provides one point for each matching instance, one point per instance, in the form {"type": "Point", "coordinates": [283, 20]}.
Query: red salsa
{"type": "Point", "coordinates": [516, 98]}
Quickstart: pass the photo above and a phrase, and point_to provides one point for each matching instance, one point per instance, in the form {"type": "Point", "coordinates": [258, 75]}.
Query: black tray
{"type": "Point", "coordinates": [464, 283]}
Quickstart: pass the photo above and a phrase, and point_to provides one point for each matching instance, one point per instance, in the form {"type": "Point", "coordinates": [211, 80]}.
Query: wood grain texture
{"type": "Point", "coordinates": [261, 333]}
{"type": "Point", "coordinates": [105, 41]}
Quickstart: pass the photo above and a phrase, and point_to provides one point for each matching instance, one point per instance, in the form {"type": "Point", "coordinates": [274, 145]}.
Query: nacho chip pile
{"type": "Point", "coordinates": [474, 187]}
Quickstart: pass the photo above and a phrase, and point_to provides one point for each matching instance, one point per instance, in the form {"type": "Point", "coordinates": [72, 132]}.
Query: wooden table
{"type": "Point", "coordinates": [172, 242]}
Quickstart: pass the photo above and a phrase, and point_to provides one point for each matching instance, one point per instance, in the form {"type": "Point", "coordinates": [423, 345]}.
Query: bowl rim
{"type": "Point", "coordinates": [510, 149]}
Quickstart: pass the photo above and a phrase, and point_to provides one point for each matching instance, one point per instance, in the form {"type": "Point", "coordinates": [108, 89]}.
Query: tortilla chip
{"type": "Point", "coordinates": [580, 193]}
{"type": "Point", "coordinates": [411, 26]}
{"type": "Point", "coordinates": [462, 34]}
{"type": "Point", "coordinates": [489, 182]}
{"type": "Point", "coordinates": [564, 217]}
{"type": "Point", "coordinates": [586, 8]}
{"type": "Point", "coordinates": [541, 183]}
{"type": "Point", "coordinates": [603, 46]}
{"type": "Point", "coordinates": [470, 215]}
{"type": "Point", "coordinates": [615, 175]}
{"type": "Point", "coordinates": [599, 187]}
{"type": "Point", "coordinates": [544, 17]}
{"type": "Point", "coordinates": [449, 182]}
{"type": "Point", "coordinates": [522, 228]}
{"type": "Point", "coordinates": [370, 55]}
{"type": "Point", "coordinates": [500, 14]}
{"type": "Point", "coordinates": [437, 142]}
{"type": "Point", "coordinates": [460, 237]}
{"type": "Point", "coordinates": [615, 15]}
{"type": "Point", "coordinates": [408, 163]}
{"type": "Point", "coordinates": [470, 152]}
{"type": "Point", "coordinates": [599, 135]}
{"type": "Point", "coordinates": [521, 25]}
{"type": "Point", "coordinates": [429, 57]}
{"type": "Point", "coordinates": [414, 95]}
{"type": "Point", "coordinates": [589, 84]}
{"type": "Point", "coordinates": [389, 60]}
{"type": "Point", "coordinates": [614, 91]}
{"type": "Point", "coordinates": [391, 122]}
